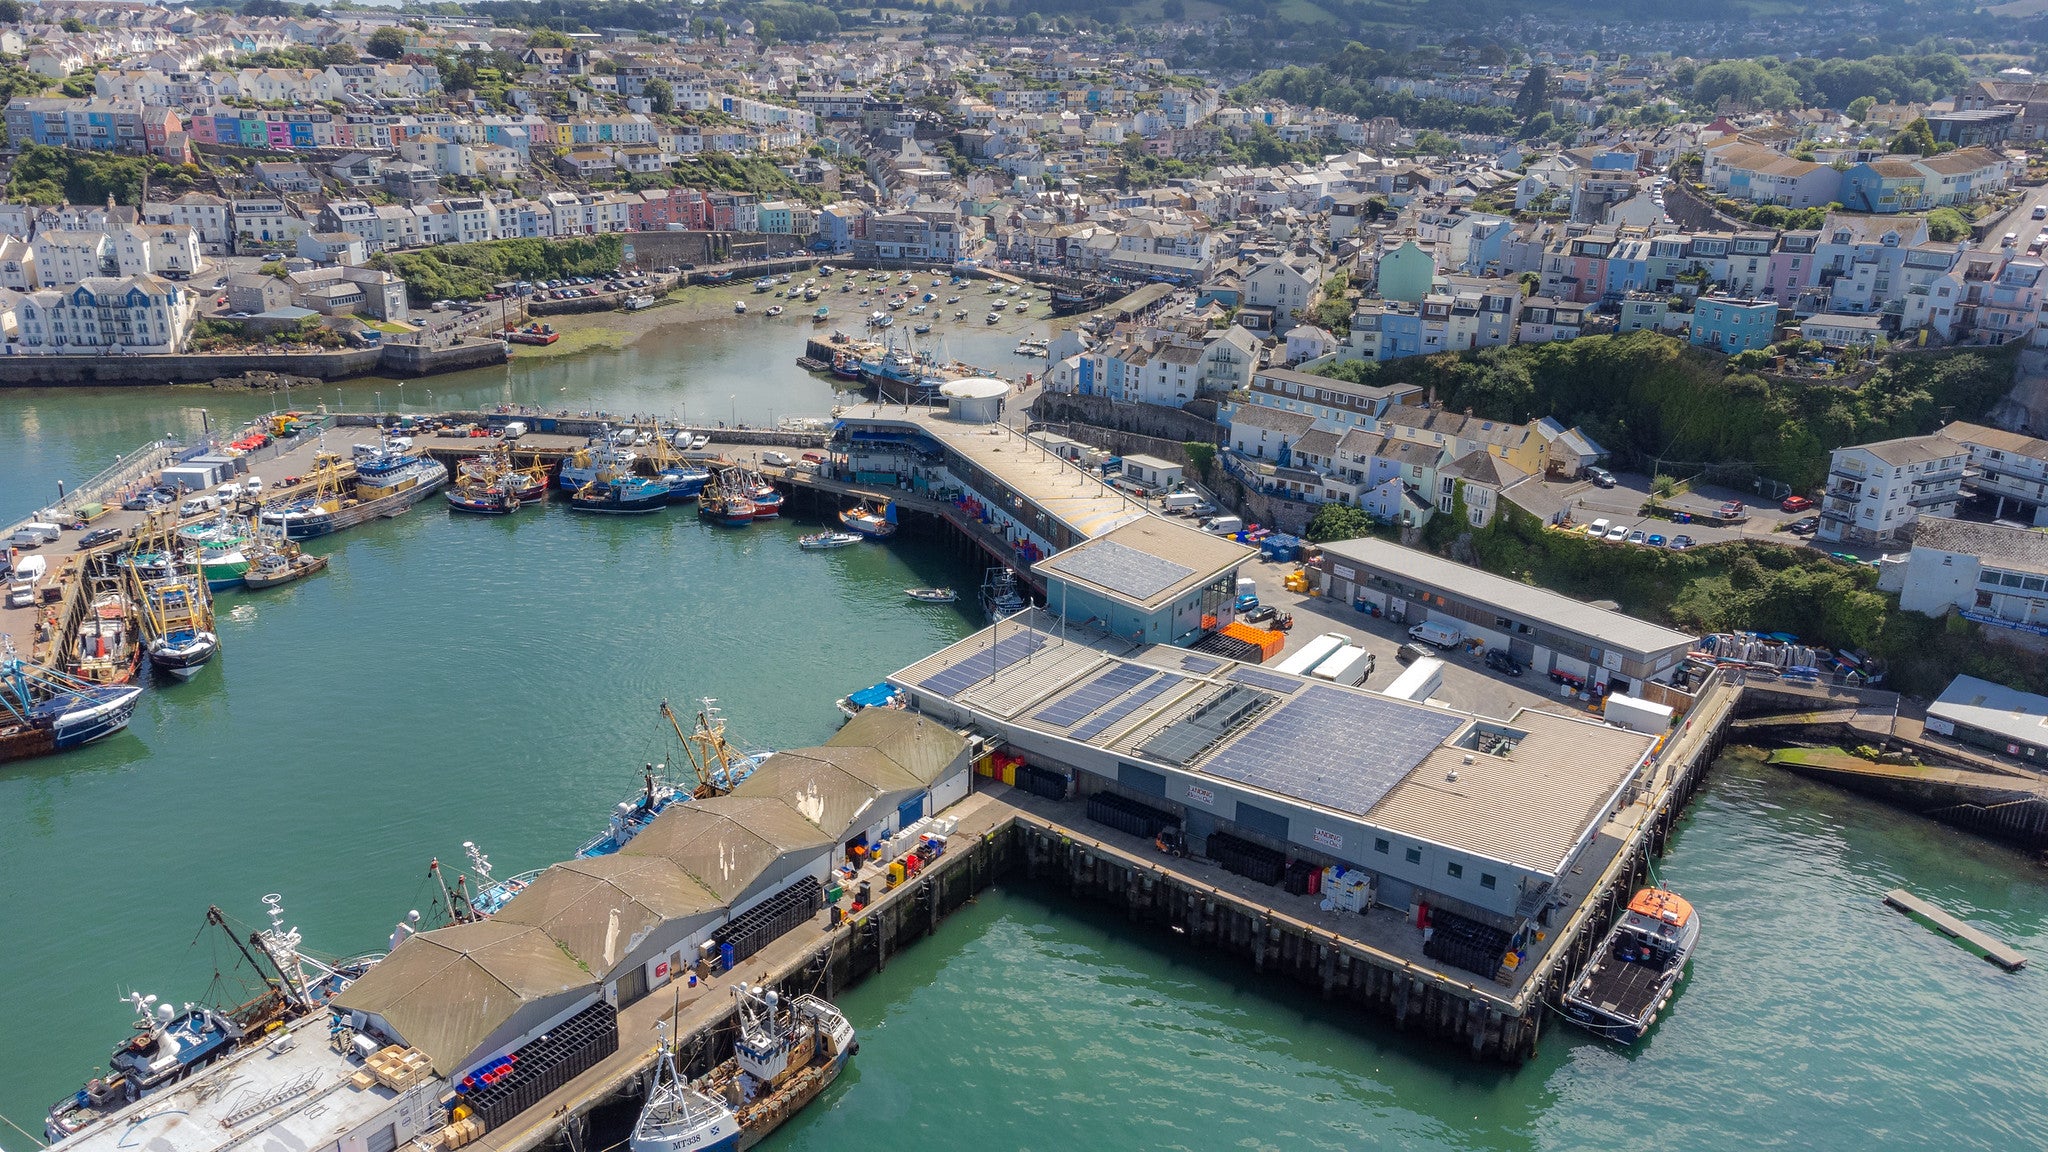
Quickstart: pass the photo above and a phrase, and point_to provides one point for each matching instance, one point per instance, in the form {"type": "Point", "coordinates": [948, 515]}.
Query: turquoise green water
{"type": "Point", "coordinates": [496, 680]}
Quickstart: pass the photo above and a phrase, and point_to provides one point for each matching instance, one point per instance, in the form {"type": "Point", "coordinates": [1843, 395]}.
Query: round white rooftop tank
{"type": "Point", "coordinates": [978, 400]}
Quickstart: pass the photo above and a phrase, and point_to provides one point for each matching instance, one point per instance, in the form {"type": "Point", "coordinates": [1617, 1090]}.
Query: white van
{"type": "Point", "coordinates": [1435, 634]}
{"type": "Point", "coordinates": [199, 504]}
{"type": "Point", "coordinates": [514, 430]}
{"type": "Point", "coordinates": [1180, 501]}
{"type": "Point", "coordinates": [228, 492]}
{"type": "Point", "coordinates": [1225, 525]}
{"type": "Point", "coordinates": [35, 534]}
{"type": "Point", "coordinates": [22, 582]}
{"type": "Point", "coordinates": [778, 459]}
{"type": "Point", "coordinates": [253, 486]}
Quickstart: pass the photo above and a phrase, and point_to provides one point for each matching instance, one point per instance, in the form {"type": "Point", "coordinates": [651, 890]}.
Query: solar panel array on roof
{"type": "Point", "coordinates": [1192, 735]}
{"type": "Point", "coordinates": [1377, 743]}
{"type": "Point", "coordinates": [1284, 685]}
{"type": "Point", "coordinates": [1092, 695]}
{"type": "Point", "coordinates": [1121, 568]}
{"type": "Point", "coordinates": [1200, 665]}
{"type": "Point", "coordinates": [982, 665]}
{"type": "Point", "coordinates": [1128, 705]}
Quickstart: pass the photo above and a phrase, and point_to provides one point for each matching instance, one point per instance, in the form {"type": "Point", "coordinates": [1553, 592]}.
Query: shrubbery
{"type": "Point", "coordinates": [468, 271]}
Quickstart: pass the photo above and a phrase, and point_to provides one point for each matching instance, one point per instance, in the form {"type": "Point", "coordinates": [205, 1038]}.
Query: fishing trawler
{"type": "Point", "coordinates": [218, 549]}
{"type": "Point", "coordinates": [784, 1056]}
{"type": "Point", "coordinates": [279, 561]}
{"type": "Point", "coordinates": [999, 595]}
{"type": "Point", "coordinates": [766, 500]}
{"type": "Point", "coordinates": [598, 458]}
{"type": "Point", "coordinates": [107, 650]}
{"type": "Point", "coordinates": [624, 494]}
{"type": "Point", "coordinates": [44, 711]}
{"type": "Point", "coordinates": [1641, 960]}
{"type": "Point", "coordinates": [482, 499]}
{"type": "Point", "coordinates": [677, 1117]}
{"type": "Point", "coordinates": [870, 521]}
{"type": "Point", "coordinates": [169, 1045]}
{"type": "Point", "coordinates": [725, 505]}
{"type": "Point", "coordinates": [388, 479]}
{"type": "Point", "coordinates": [176, 606]}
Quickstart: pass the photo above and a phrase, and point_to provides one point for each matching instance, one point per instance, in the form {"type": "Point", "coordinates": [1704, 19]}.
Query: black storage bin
{"type": "Point", "coordinates": [546, 1063]}
{"type": "Point", "coordinates": [1252, 861]}
{"type": "Point", "coordinates": [1298, 877]}
{"type": "Point", "coordinates": [1465, 943]}
{"type": "Point", "coordinates": [780, 914]}
{"type": "Point", "coordinates": [1042, 782]}
{"type": "Point", "coordinates": [1127, 815]}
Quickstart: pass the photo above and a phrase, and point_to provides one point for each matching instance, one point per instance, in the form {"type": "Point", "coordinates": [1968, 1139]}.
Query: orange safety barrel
{"type": "Point", "coordinates": [1657, 904]}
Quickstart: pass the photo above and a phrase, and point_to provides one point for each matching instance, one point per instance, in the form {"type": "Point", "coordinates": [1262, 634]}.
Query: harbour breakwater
{"type": "Point", "coordinates": [396, 358]}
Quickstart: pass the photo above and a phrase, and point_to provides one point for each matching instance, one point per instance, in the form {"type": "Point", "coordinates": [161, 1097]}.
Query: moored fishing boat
{"type": "Point", "coordinates": [620, 494]}
{"type": "Point", "coordinates": [821, 541]}
{"type": "Point", "coordinates": [784, 1056]}
{"type": "Point", "coordinates": [482, 500]}
{"type": "Point", "coordinates": [722, 504]}
{"type": "Point", "coordinates": [388, 479]}
{"type": "Point", "coordinates": [43, 710]}
{"type": "Point", "coordinates": [1631, 977]}
{"type": "Point", "coordinates": [677, 1117]}
{"type": "Point", "coordinates": [218, 549]}
{"type": "Point", "coordinates": [167, 1045]}
{"type": "Point", "coordinates": [999, 595]}
{"type": "Point", "coordinates": [871, 522]}
{"type": "Point", "coordinates": [281, 567]}
{"type": "Point", "coordinates": [108, 649]}
{"type": "Point", "coordinates": [598, 458]}
{"type": "Point", "coordinates": [175, 605]}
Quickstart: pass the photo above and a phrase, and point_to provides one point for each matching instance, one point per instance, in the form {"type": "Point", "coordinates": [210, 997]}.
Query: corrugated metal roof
{"type": "Point", "coordinates": [598, 909]}
{"type": "Point", "coordinates": [728, 842]}
{"type": "Point", "coordinates": [924, 748]}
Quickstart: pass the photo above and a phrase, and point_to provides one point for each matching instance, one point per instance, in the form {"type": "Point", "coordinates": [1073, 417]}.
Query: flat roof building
{"type": "Point", "coordinates": [1545, 631]}
{"type": "Point", "coordinates": [1152, 581]}
{"type": "Point", "coordinates": [1483, 817]}
{"type": "Point", "coordinates": [2004, 720]}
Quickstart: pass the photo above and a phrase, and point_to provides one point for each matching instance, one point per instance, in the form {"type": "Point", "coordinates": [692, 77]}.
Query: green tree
{"type": "Point", "coordinates": [72, 24]}
{"type": "Point", "coordinates": [10, 11]}
{"type": "Point", "coordinates": [1535, 94]}
{"type": "Point", "coordinates": [1860, 107]}
{"type": "Point", "coordinates": [547, 38]}
{"type": "Point", "coordinates": [660, 95]}
{"type": "Point", "coordinates": [386, 44]}
{"type": "Point", "coordinates": [1946, 225]}
{"type": "Point", "coordinates": [1334, 521]}
{"type": "Point", "coordinates": [1915, 139]}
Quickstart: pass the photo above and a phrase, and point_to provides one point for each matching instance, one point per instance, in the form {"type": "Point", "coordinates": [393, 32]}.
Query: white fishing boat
{"type": "Point", "coordinates": [821, 541]}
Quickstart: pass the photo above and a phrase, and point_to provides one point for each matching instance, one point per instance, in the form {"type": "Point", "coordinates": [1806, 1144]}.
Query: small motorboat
{"type": "Point", "coordinates": [932, 595]}
{"type": "Point", "coordinates": [775, 310]}
{"type": "Point", "coordinates": [921, 329]}
{"type": "Point", "coordinates": [1631, 977]}
{"type": "Point", "coordinates": [739, 307]}
{"type": "Point", "coordinates": [820, 541]}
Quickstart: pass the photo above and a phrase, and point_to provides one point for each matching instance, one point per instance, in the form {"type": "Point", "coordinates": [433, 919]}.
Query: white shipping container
{"type": "Point", "coordinates": [1638, 715]}
{"type": "Point", "coordinates": [1313, 653]}
{"type": "Point", "coordinates": [1423, 679]}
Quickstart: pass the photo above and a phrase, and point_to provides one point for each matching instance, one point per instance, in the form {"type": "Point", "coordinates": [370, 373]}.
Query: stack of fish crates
{"type": "Point", "coordinates": [1252, 861]}
{"type": "Point", "coordinates": [1127, 815]}
{"type": "Point", "coordinates": [565, 1052]}
{"type": "Point", "coordinates": [1465, 943]}
{"type": "Point", "coordinates": [761, 925]}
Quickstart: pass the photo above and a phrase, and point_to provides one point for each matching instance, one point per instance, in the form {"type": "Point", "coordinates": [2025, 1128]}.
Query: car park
{"type": "Point", "coordinates": [1681, 542]}
{"type": "Point", "coordinates": [1804, 526]}
{"type": "Point", "coordinates": [1794, 504]}
{"type": "Point", "coordinates": [1500, 661]}
{"type": "Point", "coordinates": [1617, 534]}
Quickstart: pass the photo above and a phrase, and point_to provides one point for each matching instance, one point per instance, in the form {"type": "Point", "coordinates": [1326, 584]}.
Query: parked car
{"type": "Point", "coordinates": [1656, 540]}
{"type": "Point", "coordinates": [1794, 504]}
{"type": "Point", "coordinates": [1500, 661]}
{"type": "Point", "coordinates": [1730, 510]}
{"type": "Point", "coordinates": [99, 536]}
{"type": "Point", "coordinates": [1638, 537]}
{"type": "Point", "coordinates": [1600, 477]}
{"type": "Point", "coordinates": [1617, 534]}
{"type": "Point", "coordinates": [1681, 542]}
{"type": "Point", "coordinates": [147, 499]}
{"type": "Point", "coordinates": [1804, 526]}
{"type": "Point", "coordinates": [1409, 653]}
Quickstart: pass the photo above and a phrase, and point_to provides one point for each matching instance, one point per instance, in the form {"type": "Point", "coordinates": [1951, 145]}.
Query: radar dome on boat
{"type": "Point", "coordinates": [975, 400]}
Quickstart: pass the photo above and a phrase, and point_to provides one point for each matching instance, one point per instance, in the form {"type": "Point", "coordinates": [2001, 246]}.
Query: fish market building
{"type": "Point", "coordinates": [1481, 817]}
{"type": "Point", "coordinates": [1545, 631]}
{"type": "Point", "coordinates": [1151, 581]}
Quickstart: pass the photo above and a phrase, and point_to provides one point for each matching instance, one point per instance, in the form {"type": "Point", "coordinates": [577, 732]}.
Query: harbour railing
{"type": "Point", "coordinates": [129, 468]}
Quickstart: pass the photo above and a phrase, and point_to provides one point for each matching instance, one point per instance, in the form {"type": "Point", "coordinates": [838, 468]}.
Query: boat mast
{"type": "Point", "coordinates": [219, 919]}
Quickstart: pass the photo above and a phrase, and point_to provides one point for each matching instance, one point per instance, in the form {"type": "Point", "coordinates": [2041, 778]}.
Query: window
{"type": "Point", "coordinates": [1486, 880]}
{"type": "Point", "coordinates": [1380, 845]}
{"type": "Point", "coordinates": [1414, 855]}
{"type": "Point", "coordinates": [1455, 870]}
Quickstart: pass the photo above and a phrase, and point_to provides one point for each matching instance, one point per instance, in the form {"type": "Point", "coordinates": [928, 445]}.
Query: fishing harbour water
{"type": "Point", "coordinates": [521, 622]}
